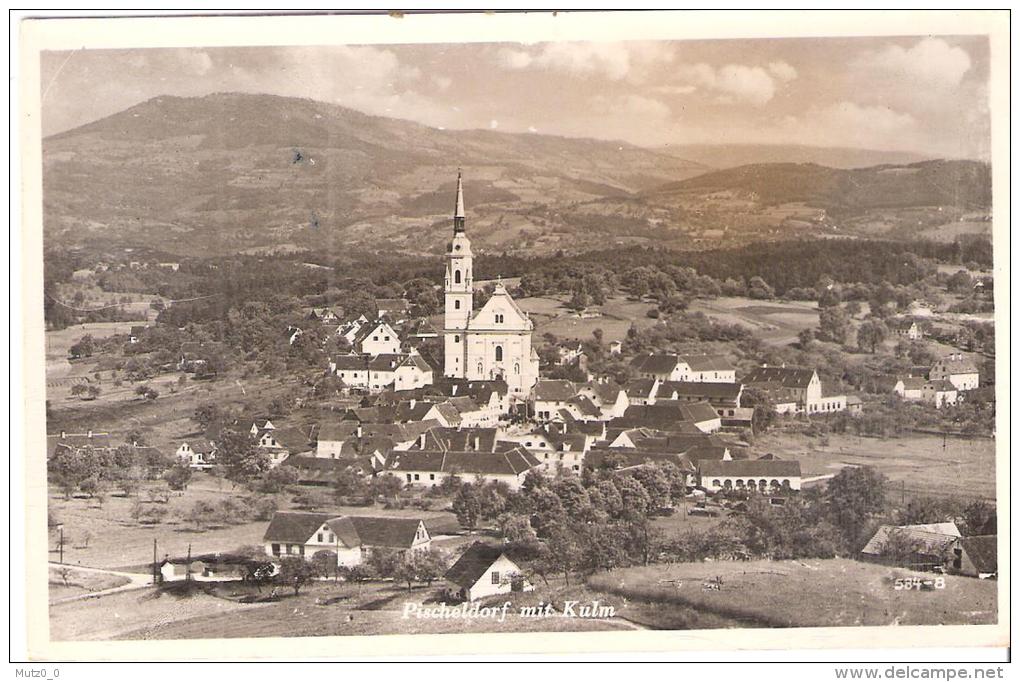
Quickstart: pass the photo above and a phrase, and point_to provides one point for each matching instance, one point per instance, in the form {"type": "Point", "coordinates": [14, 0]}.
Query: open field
{"type": "Point", "coordinates": [775, 322]}
{"type": "Point", "coordinates": [75, 583]}
{"type": "Point", "coordinates": [551, 316]}
{"type": "Point", "coordinates": [323, 608]}
{"type": "Point", "coordinates": [916, 464]}
{"type": "Point", "coordinates": [117, 541]}
{"type": "Point", "coordinates": [811, 593]}
{"type": "Point", "coordinates": [59, 342]}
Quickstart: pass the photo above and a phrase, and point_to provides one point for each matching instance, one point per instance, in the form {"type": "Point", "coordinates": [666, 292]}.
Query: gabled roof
{"type": "Point", "coordinates": [606, 392]}
{"type": "Point", "coordinates": [642, 388]}
{"type": "Point", "coordinates": [376, 531]}
{"type": "Point", "coordinates": [932, 536]}
{"type": "Point", "coordinates": [500, 294]}
{"type": "Point", "coordinates": [913, 383]}
{"type": "Point", "coordinates": [292, 438]}
{"type": "Point", "coordinates": [464, 440]}
{"type": "Point", "coordinates": [940, 385]}
{"type": "Point", "coordinates": [351, 362]}
{"type": "Point", "coordinates": [698, 389]}
{"type": "Point", "coordinates": [513, 461]}
{"type": "Point", "coordinates": [473, 564]}
{"type": "Point", "coordinates": [655, 363]}
{"type": "Point", "coordinates": [294, 526]}
{"type": "Point", "coordinates": [956, 364]}
{"type": "Point", "coordinates": [788, 377]}
{"type": "Point", "coordinates": [665, 416]}
{"type": "Point", "coordinates": [558, 390]}
{"type": "Point", "coordinates": [77, 440]}
{"type": "Point", "coordinates": [983, 552]}
{"type": "Point", "coordinates": [749, 467]}
{"type": "Point", "coordinates": [708, 363]}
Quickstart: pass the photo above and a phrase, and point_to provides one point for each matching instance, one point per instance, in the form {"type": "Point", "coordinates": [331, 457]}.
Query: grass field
{"type": "Point", "coordinates": [116, 541]}
{"type": "Point", "coordinates": [775, 322]}
{"type": "Point", "coordinates": [75, 583]}
{"type": "Point", "coordinates": [323, 608]}
{"type": "Point", "coordinates": [916, 464]}
{"type": "Point", "coordinates": [812, 593]}
{"type": "Point", "coordinates": [551, 316]}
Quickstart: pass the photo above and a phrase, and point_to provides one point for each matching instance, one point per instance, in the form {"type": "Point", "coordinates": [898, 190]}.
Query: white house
{"type": "Point", "coordinates": [377, 338]}
{"type": "Point", "coordinates": [939, 393]}
{"type": "Point", "coordinates": [352, 538]}
{"type": "Point", "coordinates": [430, 468]}
{"type": "Point", "coordinates": [482, 571]}
{"type": "Point", "coordinates": [670, 367]}
{"type": "Point", "coordinates": [910, 388]}
{"type": "Point", "coordinates": [201, 455]}
{"type": "Point", "coordinates": [957, 370]}
{"type": "Point", "coordinates": [794, 389]}
{"type": "Point", "coordinates": [761, 475]}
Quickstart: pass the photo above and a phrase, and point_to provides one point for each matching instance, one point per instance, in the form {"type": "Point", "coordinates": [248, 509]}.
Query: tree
{"type": "Point", "coordinates": [83, 347]}
{"type": "Point", "coordinates": [325, 563]}
{"type": "Point", "coordinates": [759, 288]}
{"type": "Point", "coordinates": [834, 324]}
{"type": "Point", "coordinates": [79, 389]}
{"type": "Point", "coordinates": [93, 391]}
{"type": "Point", "coordinates": [871, 334]}
{"type": "Point", "coordinates": [764, 411]}
{"type": "Point", "coordinates": [804, 338]}
{"type": "Point", "coordinates": [979, 518]}
{"type": "Point", "coordinates": [852, 496]}
{"type": "Point", "coordinates": [467, 506]}
{"type": "Point", "coordinates": [278, 479]}
{"type": "Point", "coordinates": [237, 454]}
{"type": "Point", "coordinates": [178, 476]}
{"type": "Point", "coordinates": [295, 572]}
{"type": "Point", "coordinates": [430, 565]}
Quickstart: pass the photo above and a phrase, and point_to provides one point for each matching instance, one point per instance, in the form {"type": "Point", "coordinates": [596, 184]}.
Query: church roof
{"type": "Point", "coordinates": [458, 212]}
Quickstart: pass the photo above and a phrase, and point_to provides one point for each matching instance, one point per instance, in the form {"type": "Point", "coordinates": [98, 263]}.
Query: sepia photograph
{"type": "Point", "coordinates": [428, 332]}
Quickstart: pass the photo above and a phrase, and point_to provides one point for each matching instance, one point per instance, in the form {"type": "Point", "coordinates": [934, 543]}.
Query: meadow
{"type": "Point", "coordinates": [811, 593]}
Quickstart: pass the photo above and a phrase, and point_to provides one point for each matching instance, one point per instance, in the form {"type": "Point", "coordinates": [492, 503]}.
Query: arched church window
{"type": "Point", "coordinates": [517, 368]}
{"type": "Point", "coordinates": [480, 369]}
{"type": "Point", "coordinates": [499, 353]}
{"type": "Point", "coordinates": [456, 304]}
{"type": "Point", "coordinates": [456, 276]}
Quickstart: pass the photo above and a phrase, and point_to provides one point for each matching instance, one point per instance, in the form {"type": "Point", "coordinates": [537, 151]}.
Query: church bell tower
{"type": "Point", "coordinates": [458, 290]}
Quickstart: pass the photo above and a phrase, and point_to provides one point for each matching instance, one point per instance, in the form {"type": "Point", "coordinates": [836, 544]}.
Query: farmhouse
{"type": "Point", "coordinates": [939, 393]}
{"type": "Point", "coordinates": [794, 389]}
{"type": "Point", "coordinates": [906, 328]}
{"type": "Point", "coordinates": [377, 338]}
{"type": "Point", "coordinates": [668, 367]}
{"type": "Point", "coordinates": [509, 464]}
{"type": "Point", "coordinates": [910, 388]}
{"type": "Point", "coordinates": [956, 370]}
{"type": "Point", "coordinates": [670, 415]}
{"type": "Point", "coordinates": [924, 547]}
{"type": "Point", "coordinates": [97, 440]}
{"type": "Point", "coordinates": [482, 571]}
{"type": "Point", "coordinates": [352, 538]}
{"type": "Point", "coordinates": [199, 454]}
{"type": "Point", "coordinates": [762, 475]}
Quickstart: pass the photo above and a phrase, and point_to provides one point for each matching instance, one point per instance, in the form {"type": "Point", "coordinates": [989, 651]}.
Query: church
{"type": "Point", "coordinates": [493, 342]}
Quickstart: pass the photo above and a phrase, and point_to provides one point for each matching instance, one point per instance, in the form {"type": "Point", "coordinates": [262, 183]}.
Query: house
{"type": "Point", "coordinates": [509, 464]}
{"type": "Point", "coordinates": [555, 446]}
{"type": "Point", "coordinates": [957, 370]}
{"type": "Point", "coordinates": [940, 393]}
{"type": "Point", "coordinates": [323, 315]}
{"type": "Point", "coordinates": [608, 396]}
{"type": "Point", "coordinates": [279, 444]}
{"type": "Point", "coordinates": [720, 395]}
{"type": "Point", "coordinates": [97, 440]}
{"type": "Point", "coordinates": [932, 546]}
{"type": "Point", "coordinates": [668, 367]}
{"type": "Point", "coordinates": [642, 391]}
{"type": "Point", "coordinates": [628, 458]}
{"type": "Point", "coordinates": [670, 415]}
{"type": "Point", "coordinates": [906, 328]}
{"type": "Point", "coordinates": [615, 347]}
{"type": "Point", "coordinates": [549, 396]}
{"type": "Point", "coordinates": [318, 471]}
{"type": "Point", "coordinates": [794, 389]}
{"type": "Point", "coordinates": [762, 475]}
{"type": "Point", "coordinates": [395, 309]}
{"type": "Point", "coordinates": [381, 372]}
{"type": "Point", "coordinates": [350, 438]}
{"type": "Point", "coordinates": [484, 570]}
{"type": "Point", "coordinates": [910, 388]}
{"type": "Point", "coordinates": [136, 333]}
{"type": "Point", "coordinates": [199, 454]}
{"type": "Point", "coordinates": [349, 330]}
{"type": "Point", "coordinates": [206, 568]}
{"type": "Point", "coordinates": [978, 556]}
{"type": "Point", "coordinates": [412, 372]}
{"type": "Point", "coordinates": [352, 538]}
{"type": "Point", "coordinates": [377, 338]}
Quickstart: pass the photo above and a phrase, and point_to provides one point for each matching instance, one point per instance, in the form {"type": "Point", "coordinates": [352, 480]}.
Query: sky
{"type": "Point", "coordinates": [925, 94]}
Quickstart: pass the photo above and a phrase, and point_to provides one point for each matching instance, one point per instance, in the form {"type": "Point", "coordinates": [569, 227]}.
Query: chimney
{"type": "Point", "coordinates": [421, 441]}
{"type": "Point", "coordinates": [413, 403]}
{"type": "Point", "coordinates": [478, 443]}
{"type": "Point", "coordinates": [90, 433]}
{"type": "Point", "coordinates": [454, 389]}
{"type": "Point", "coordinates": [359, 431]}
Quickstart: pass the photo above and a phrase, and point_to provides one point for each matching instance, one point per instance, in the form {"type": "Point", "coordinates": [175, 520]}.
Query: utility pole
{"type": "Point", "coordinates": [155, 565]}
{"type": "Point", "coordinates": [188, 574]}
{"type": "Point", "coordinates": [61, 544]}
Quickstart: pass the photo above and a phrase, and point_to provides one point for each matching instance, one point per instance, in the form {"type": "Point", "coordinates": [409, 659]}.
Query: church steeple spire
{"type": "Point", "coordinates": [458, 211]}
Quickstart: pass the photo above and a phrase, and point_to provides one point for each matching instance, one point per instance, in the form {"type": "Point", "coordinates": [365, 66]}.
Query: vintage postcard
{"type": "Point", "coordinates": [492, 333]}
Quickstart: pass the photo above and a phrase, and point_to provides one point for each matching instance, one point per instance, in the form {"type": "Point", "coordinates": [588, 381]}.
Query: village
{"type": "Point", "coordinates": [447, 450]}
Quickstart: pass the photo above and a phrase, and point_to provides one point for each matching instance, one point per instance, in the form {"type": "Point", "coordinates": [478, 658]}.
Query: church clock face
{"type": "Point", "coordinates": [457, 247]}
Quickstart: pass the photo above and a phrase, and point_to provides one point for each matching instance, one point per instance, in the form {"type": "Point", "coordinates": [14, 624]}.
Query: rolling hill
{"type": "Point", "coordinates": [234, 172]}
{"type": "Point", "coordinates": [732, 155]}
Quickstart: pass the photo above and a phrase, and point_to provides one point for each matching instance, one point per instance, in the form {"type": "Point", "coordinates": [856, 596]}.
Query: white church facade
{"type": "Point", "coordinates": [493, 342]}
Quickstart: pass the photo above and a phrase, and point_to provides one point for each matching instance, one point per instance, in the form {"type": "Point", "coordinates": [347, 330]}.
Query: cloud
{"type": "Point", "coordinates": [616, 61]}
{"type": "Point", "coordinates": [932, 61]}
{"type": "Point", "coordinates": [674, 89]}
{"type": "Point", "coordinates": [748, 83]}
{"type": "Point", "coordinates": [493, 124]}
{"type": "Point", "coordinates": [442, 82]}
{"type": "Point", "coordinates": [637, 106]}
{"type": "Point", "coordinates": [782, 71]}
{"type": "Point", "coordinates": [846, 124]}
